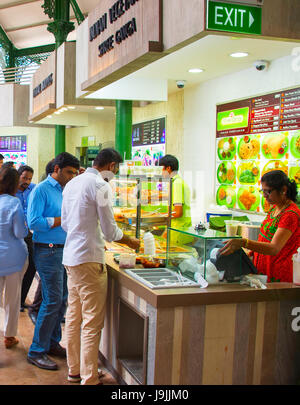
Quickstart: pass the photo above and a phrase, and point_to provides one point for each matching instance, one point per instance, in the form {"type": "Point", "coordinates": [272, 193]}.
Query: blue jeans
{"type": "Point", "coordinates": [47, 332]}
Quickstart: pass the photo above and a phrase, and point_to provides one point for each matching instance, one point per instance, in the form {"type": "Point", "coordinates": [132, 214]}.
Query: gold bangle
{"type": "Point", "coordinates": [246, 244]}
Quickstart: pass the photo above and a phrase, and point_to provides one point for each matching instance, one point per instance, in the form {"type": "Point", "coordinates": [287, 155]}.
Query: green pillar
{"type": "Point", "coordinates": [60, 28]}
{"type": "Point", "coordinates": [123, 134]}
{"type": "Point", "coordinates": [60, 139]}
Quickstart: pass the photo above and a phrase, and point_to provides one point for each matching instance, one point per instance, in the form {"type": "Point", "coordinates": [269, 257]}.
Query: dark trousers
{"type": "Point", "coordinates": [30, 272]}
{"type": "Point", "coordinates": [37, 301]}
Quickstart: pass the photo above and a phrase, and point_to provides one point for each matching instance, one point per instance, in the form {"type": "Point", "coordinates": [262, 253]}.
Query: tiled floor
{"type": "Point", "coordinates": [14, 368]}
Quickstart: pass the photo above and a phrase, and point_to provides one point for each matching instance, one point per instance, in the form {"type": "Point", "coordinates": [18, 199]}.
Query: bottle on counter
{"type": "Point", "coordinates": [149, 244]}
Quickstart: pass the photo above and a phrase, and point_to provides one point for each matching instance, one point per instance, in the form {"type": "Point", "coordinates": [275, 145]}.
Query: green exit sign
{"type": "Point", "coordinates": [230, 17]}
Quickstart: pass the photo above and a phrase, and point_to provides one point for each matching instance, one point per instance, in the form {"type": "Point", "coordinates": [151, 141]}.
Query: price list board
{"type": "Point", "coordinates": [278, 111]}
{"type": "Point", "coordinates": [255, 136]}
{"type": "Point", "coordinates": [149, 133]}
{"type": "Point", "coordinates": [13, 143]}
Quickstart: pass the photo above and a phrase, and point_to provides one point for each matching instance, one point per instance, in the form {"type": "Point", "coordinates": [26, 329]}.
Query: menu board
{"type": "Point", "coordinates": [13, 143]}
{"type": "Point", "coordinates": [148, 141]}
{"type": "Point", "coordinates": [255, 136]}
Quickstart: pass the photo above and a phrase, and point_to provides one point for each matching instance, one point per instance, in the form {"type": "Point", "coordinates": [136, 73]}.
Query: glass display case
{"type": "Point", "coordinates": [142, 203]}
{"type": "Point", "coordinates": [200, 255]}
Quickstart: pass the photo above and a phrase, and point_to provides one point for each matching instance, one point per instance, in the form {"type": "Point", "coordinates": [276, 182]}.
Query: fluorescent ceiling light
{"type": "Point", "coordinates": [196, 70]}
{"type": "Point", "coordinates": [239, 54]}
{"type": "Point", "coordinates": [99, 108]}
{"type": "Point", "coordinates": [71, 107]}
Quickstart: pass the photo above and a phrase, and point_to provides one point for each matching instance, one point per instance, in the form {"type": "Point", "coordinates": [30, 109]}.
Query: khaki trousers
{"type": "Point", "coordinates": [11, 285]}
{"type": "Point", "coordinates": [87, 290]}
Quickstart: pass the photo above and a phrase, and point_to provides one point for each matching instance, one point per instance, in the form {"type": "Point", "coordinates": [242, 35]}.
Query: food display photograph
{"type": "Point", "coordinates": [226, 148]}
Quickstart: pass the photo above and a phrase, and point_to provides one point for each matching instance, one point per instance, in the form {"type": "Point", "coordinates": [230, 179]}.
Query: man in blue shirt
{"type": "Point", "coordinates": [43, 215]}
{"type": "Point", "coordinates": [24, 189]}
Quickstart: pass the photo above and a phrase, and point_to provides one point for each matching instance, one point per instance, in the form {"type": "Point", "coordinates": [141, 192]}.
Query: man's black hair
{"type": "Point", "coordinates": [106, 156]}
{"type": "Point", "coordinates": [25, 168]}
{"type": "Point", "coordinates": [50, 167]}
{"type": "Point", "coordinates": [1, 157]}
{"type": "Point", "coordinates": [8, 164]}
{"type": "Point", "coordinates": [65, 159]}
{"type": "Point", "coordinates": [169, 160]}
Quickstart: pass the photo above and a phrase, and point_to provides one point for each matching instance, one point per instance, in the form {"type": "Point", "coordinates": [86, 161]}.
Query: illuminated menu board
{"type": "Point", "coordinates": [148, 141]}
{"type": "Point", "coordinates": [13, 143]}
{"type": "Point", "coordinates": [269, 113]}
{"type": "Point", "coordinates": [253, 137]}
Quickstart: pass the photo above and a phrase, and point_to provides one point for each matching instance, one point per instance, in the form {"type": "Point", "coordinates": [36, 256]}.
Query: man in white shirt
{"type": "Point", "coordinates": [86, 211]}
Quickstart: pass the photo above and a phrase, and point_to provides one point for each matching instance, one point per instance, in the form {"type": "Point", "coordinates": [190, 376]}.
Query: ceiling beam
{"type": "Point", "coordinates": [17, 3]}
{"type": "Point", "coordinates": [38, 24]}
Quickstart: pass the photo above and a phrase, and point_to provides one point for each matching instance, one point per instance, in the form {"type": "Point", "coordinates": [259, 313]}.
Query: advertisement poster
{"type": "Point", "coordinates": [255, 136]}
{"type": "Point", "coordinates": [14, 149]}
{"type": "Point", "coordinates": [148, 141]}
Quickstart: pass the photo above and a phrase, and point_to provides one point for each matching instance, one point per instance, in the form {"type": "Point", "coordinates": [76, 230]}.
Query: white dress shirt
{"type": "Point", "coordinates": [86, 210]}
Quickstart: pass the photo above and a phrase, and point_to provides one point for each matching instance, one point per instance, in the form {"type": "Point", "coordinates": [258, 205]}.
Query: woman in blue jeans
{"type": "Point", "coordinates": [13, 252]}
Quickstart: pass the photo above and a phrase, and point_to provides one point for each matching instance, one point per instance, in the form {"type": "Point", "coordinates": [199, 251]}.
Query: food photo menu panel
{"type": "Point", "coordinates": [14, 149]}
{"type": "Point", "coordinates": [255, 136]}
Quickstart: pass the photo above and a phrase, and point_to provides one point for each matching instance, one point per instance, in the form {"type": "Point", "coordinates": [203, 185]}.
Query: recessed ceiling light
{"type": "Point", "coordinates": [71, 107]}
{"type": "Point", "coordinates": [99, 108]}
{"type": "Point", "coordinates": [239, 54]}
{"type": "Point", "coordinates": [49, 116]}
{"type": "Point", "coordinates": [57, 112]}
{"type": "Point", "coordinates": [196, 70]}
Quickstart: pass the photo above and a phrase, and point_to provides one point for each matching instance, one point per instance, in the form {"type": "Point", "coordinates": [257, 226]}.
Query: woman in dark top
{"type": "Point", "coordinates": [279, 236]}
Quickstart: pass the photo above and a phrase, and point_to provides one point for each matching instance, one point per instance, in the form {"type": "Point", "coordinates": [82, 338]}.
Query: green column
{"type": "Point", "coordinates": [60, 139]}
{"type": "Point", "coordinates": [123, 137]}
{"type": "Point", "coordinates": [60, 28]}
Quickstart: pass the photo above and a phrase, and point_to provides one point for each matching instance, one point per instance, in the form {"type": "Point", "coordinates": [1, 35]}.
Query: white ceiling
{"type": "Point", "coordinates": [26, 25]}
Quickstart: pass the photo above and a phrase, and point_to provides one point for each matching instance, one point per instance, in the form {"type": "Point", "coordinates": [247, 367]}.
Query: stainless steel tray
{"type": "Point", "coordinates": [156, 278]}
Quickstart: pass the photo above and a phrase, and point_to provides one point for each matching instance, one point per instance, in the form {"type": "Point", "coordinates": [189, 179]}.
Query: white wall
{"type": "Point", "coordinates": [200, 120]}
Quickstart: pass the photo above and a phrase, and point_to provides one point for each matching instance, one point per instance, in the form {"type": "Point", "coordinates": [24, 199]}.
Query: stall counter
{"type": "Point", "coordinates": [223, 334]}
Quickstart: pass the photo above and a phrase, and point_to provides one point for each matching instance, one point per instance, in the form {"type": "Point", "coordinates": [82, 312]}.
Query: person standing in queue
{"type": "Point", "coordinates": [13, 252]}
{"type": "Point", "coordinates": [33, 309]}
{"type": "Point", "coordinates": [86, 211]}
{"type": "Point", "coordinates": [279, 236]}
{"type": "Point", "coordinates": [44, 218]}
{"type": "Point", "coordinates": [1, 160]}
{"type": "Point", "coordinates": [24, 189]}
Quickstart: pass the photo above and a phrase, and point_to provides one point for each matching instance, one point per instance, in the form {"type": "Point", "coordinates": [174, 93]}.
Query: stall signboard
{"type": "Point", "coordinates": [14, 149]}
{"type": "Point", "coordinates": [43, 97]}
{"type": "Point", "coordinates": [231, 17]}
{"type": "Point", "coordinates": [124, 36]}
{"type": "Point", "coordinates": [255, 136]}
{"type": "Point", "coordinates": [148, 141]}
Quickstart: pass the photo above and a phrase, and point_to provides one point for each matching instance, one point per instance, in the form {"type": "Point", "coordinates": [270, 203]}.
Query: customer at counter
{"type": "Point", "coordinates": [86, 211]}
{"type": "Point", "coordinates": [181, 198]}
{"type": "Point", "coordinates": [44, 218]}
{"type": "Point", "coordinates": [279, 236]}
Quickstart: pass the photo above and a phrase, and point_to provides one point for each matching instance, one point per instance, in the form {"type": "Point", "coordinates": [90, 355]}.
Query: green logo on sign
{"type": "Point", "coordinates": [233, 18]}
{"type": "Point", "coordinates": [233, 119]}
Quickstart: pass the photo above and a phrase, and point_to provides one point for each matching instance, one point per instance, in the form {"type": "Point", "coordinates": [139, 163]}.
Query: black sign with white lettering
{"type": "Point", "coordinates": [42, 86]}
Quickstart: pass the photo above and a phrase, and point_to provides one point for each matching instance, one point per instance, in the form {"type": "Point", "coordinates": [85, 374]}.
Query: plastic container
{"type": "Point", "coordinates": [296, 267]}
{"type": "Point", "coordinates": [127, 260]}
{"type": "Point", "coordinates": [231, 227]}
{"type": "Point", "coordinates": [149, 244]}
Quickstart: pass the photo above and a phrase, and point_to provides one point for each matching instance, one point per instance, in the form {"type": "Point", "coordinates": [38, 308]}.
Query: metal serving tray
{"type": "Point", "coordinates": [156, 278]}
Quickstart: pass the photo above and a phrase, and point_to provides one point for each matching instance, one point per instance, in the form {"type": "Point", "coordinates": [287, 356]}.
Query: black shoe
{"type": "Point", "coordinates": [33, 316]}
{"type": "Point", "coordinates": [58, 351]}
{"type": "Point", "coordinates": [43, 361]}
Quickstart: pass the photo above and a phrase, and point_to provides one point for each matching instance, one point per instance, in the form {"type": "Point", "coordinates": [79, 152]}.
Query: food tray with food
{"type": "Point", "coordinates": [249, 147]}
{"type": "Point", "coordinates": [226, 148]}
{"type": "Point", "coordinates": [248, 198]}
{"type": "Point", "coordinates": [275, 145]}
{"type": "Point", "coordinates": [226, 173]}
{"type": "Point", "coordinates": [226, 195]}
